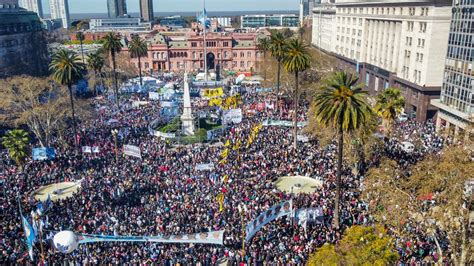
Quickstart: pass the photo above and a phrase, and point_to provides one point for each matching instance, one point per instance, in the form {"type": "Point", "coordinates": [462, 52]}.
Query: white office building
{"type": "Point", "coordinates": [225, 22]}
{"type": "Point", "coordinates": [32, 5]}
{"type": "Point", "coordinates": [390, 43]}
{"type": "Point", "coordinates": [60, 11]}
{"type": "Point", "coordinates": [119, 24]}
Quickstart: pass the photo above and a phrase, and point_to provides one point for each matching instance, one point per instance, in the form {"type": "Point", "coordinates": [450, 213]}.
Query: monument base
{"type": "Point", "coordinates": [188, 125]}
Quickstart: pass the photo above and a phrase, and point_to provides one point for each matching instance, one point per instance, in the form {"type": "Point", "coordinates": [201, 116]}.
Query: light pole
{"type": "Point", "coordinates": [115, 133]}
{"type": "Point", "coordinates": [243, 210]}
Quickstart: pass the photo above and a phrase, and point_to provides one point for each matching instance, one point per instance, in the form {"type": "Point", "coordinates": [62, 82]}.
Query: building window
{"type": "Point", "coordinates": [234, 54]}
{"type": "Point", "coordinates": [422, 26]}
{"type": "Point", "coordinates": [249, 54]}
{"type": "Point", "coordinates": [410, 25]}
{"type": "Point", "coordinates": [242, 64]}
{"type": "Point", "coordinates": [225, 54]}
{"type": "Point", "coordinates": [193, 44]}
{"type": "Point", "coordinates": [225, 44]}
{"type": "Point", "coordinates": [147, 65]}
{"type": "Point", "coordinates": [242, 54]}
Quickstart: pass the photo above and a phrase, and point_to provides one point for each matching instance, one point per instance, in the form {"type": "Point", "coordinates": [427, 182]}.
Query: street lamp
{"type": "Point", "coordinates": [242, 210]}
{"type": "Point", "coordinates": [115, 133]}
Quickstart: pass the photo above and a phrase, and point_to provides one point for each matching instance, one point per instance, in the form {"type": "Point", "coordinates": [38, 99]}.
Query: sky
{"type": "Point", "coordinates": [100, 6]}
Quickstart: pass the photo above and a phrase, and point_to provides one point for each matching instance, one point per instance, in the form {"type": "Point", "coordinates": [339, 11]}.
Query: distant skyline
{"type": "Point", "coordinates": [100, 6]}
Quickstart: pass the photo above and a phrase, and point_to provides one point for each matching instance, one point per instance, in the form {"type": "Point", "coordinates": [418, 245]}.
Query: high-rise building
{"type": "Point", "coordinates": [116, 8]}
{"type": "Point", "coordinates": [32, 5]}
{"type": "Point", "coordinates": [390, 43]}
{"type": "Point", "coordinates": [456, 104]}
{"type": "Point", "coordinates": [146, 10]}
{"type": "Point", "coordinates": [60, 11]}
{"type": "Point", "coordinates": [23, 47]}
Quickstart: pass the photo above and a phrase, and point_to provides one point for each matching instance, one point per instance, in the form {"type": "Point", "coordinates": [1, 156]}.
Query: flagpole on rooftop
{"type": "Point", "coordinates": [205, 42]}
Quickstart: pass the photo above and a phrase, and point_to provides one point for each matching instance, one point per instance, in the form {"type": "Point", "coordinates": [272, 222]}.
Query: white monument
{"type": "Point", "coordinates": [187, 117]}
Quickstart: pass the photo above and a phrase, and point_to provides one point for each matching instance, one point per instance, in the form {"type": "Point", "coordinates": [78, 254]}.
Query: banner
{"type": "Point", "coordinates": [257, 90]}
{"type": "Point", "coordinates": [232, 115]}
{"type": "Point", "coordinates": [282, 123]}
{"type": "Point", "coordinates": [215, 237]}
{"type": "Point", "coordinates": [153, 95]}
{"type": "Point", "coordinates": [168, 104]}
{"type": "Point", "coordinates": [212, 93]}
{"type": "Point", "coordinates": [309, 215]}
{"type": "Point", "coordinates": [132, 150]}
{"type": "Point", "coordinates": [302, 138]}
{"type": "Point", "coordinates": [41, 154]}
{"type": "Point", "coordinates": [86, 149]}
{"type": "Point", "coordinates": [214, 133]}
{"type": "Point", "coordinates": [95, 149]}
{"type": "Point", "coordinates": [275, 212]}
{"type": "Point", "coordinates": [204, 166]}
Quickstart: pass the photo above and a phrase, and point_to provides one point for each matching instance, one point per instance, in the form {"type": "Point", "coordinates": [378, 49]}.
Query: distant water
{"type": "Point", "coordinates": [165, 14]}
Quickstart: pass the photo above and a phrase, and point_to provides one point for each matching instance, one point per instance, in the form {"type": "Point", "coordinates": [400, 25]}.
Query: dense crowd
{"type": "Point", "coordinates": [164, 194]}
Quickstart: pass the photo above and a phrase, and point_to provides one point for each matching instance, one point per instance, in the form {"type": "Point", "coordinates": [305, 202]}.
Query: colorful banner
{"type": "Point", "coordinates": [132, 150]}
{"type": "Point", "coordinates": [215, 237]}
{"type": "Point", "coordinates": [153, 95]}
{"type": "Point", "coordinates": [309, 215]}
{"type": "Point", "coordinates": [282, 123]}
{"type": "Point", "coordinates": [212, 93]}
{"type": "Point", "coordinates": [41, 154]}
{"type": "Point", "coordinates": [275, 212]}
{"type": "Point", "coordinates": [232, 115]}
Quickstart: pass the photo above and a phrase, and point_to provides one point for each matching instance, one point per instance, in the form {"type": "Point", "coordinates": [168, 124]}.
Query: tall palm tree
{"type": "Point", "coordinates": [389, 105]}
{"type": "Point", "coordinates": [113, 45]}
{"type": "Point", "coordinates": [67, 70]}
{"type": "Point", "coordinates": [342, 105]}
{"type": "Point", "coordinates": [264, 46]}
{"type": "Point", "coordinates": [278, 47]}
{"type": "Point", "coordinates": [80, 38]}
{"type": "Point", "coordinates": [16, 142]}
{"type": "Point", "coordinates": [96, 62]}
{"type": "Point", "coordinates": [138, 48]}
{"type": "Point", "coordinates": [296, 60]}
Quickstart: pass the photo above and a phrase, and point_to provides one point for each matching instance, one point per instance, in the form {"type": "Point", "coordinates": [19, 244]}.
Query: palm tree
{"type": "Point", "coordinates": [16, 142]}
{"type": "Point", "coordinates": [296, 60]}
{"type": "Point", "coordinates": [278, 51]}
{"type": "Point", "coordinates": [389, 105]}
{"type": "Point", "coordinates": [67, 70]}
{"type": "Point", "coordinates": [113, 45]}
{"type": "Point", "coordinates": [96, 62]}
{"type": "Point", "coordinates": [138, 48]}
{"type": "Point", "coordinates": [342, 105]}
{"type": "Point", "coordinates": [264, 46]}
{"type": "Point", "coordinates": [80, 38]}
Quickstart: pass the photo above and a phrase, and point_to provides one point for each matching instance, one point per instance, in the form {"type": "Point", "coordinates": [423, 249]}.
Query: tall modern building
{"type": "Point", "coordinates": [32, 5]}
{"type": "Point", "coordinates": [146, 10]}
{"type": "Point", "coordinates": [60, 11]}
{"type": "Point", "coordinates": [23, 47]}
{"type": "Point", "coordinates": [117, 8]}
{"type": "Point", "coordinates": [389, 43]}
{"type": "Point", "coordinates": [456, 104]}
{"type": "Point", "coordinates": [262, 21]}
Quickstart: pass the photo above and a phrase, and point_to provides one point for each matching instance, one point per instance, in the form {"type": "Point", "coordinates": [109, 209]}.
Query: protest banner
{"type": "Point", "coordinates": [41, 154]}
{"type": "Point", "coordinates": [132, 150]}
{"type": "Point", "coordinates": [204, 167]}
{"type": "Point", "coordinates": [86, 149]}
{"type": "Point", "coordinates": [212, 93]}
{"type": "Point", "coordinates": [262, 90]}
{"type": "Point", "coordinates": [282, 123]}
{"type": "Point", "coordinates": [275, 212]}
{"type": "Point", "coordinates": [153, 95]}
{"type": "Point", "coordinates": [232, 115]}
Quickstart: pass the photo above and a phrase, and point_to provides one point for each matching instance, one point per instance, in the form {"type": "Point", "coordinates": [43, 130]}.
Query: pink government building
{"type": "Point", "coordinates": [184, 51]}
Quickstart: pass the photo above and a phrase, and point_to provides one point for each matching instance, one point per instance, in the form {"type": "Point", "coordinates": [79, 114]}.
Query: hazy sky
{"type": "Point", "coordinates": [100, 6]}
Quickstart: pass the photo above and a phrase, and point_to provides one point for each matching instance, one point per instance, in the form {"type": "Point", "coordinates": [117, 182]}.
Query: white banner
{"type": "Point", "coordinates": [204, 167]}
{"type": "Point", "coordinates": [215, 237]}
{"type": "Point", "coordinates": [86, 149]}
{"type": "Point", "coordinates": [275, 212]}
{"type": "Point", "coordinates": [168, 104]}
{"type": "Point", "coordinates": [153, 95]}
{"type": "Point", "coordinates": [132, 150]}
{"type": "Point", "coordinates": [95, 149]}
{"type": "Point", "coordinates": [232, 115]}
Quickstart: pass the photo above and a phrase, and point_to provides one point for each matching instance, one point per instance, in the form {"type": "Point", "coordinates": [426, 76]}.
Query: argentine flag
{"type": "Point", "coordinates": [202, 18]}
{"type": "Point", "coordinates": [29, 235]}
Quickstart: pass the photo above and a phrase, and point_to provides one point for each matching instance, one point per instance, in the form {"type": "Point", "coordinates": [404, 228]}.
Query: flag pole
{"type": "Point", "coordinates": [205, 42]}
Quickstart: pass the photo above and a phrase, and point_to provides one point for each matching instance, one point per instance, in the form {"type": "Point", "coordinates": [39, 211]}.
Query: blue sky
{"type": "Point", "coordinates": [100, 6]}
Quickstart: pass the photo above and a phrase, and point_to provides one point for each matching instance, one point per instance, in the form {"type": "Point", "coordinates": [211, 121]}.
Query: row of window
{"type": "Point", "coordinates": [162, 55]}
{"type": "Point", "coordinates": [421, 26]}
{"type": "Point", "coordinates": [421, 42]}
{"type": "Point", "coordinates": [412, 11]}
{"type": "Point", "coordinates": [210, 44]}
{"type": "Point", "coordinates": [416, 74]}
{"type": "Point", "coordinates": [182, 65]}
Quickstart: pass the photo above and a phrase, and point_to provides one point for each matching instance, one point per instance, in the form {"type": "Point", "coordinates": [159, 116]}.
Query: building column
{"type": "Point", "coordinates": [456, 133]}
{"type": "Point", "coordinates": [438, 123]}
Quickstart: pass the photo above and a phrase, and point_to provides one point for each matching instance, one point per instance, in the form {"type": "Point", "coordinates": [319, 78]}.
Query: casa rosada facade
{"type": "Point", "coordinates": [227, 51]}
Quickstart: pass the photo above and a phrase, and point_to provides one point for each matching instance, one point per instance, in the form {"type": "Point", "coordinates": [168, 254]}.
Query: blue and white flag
{"type": "Point", "coordinates": [29, 236]}
{"type": "Point", "coordinates": [39, 208]}
{"type": "Point", "coordinates": [202, 18]}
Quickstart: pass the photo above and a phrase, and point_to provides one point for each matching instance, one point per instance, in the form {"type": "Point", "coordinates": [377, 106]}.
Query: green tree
{"type": "Point", "coordinates": [96, 62]}
{"type": "Point", "coordinates": [389, 105]}
{"type": "Point", "coordinates": [263, 46]}
{"type": "Point", "coordinates": [16, 142]}
{"type": "Point", "coordinates": [80, 38]}
{"type": "Point", "coordinates": [341, 104]}
{"type": "Point", "coordinates": [361, 245]}
{"type": "Point", "coordinates": [67, 70]}
{"type": "Point", "coordinates": [430, 196]}
{"type": "Point", "coordinates": [278, 47]}
{"type": "Point", "coordinates": [113, 45]}
{"type": "Point", "coordinates": [138, 49]}
{"type": "Point", "coordinates": [296, 60]}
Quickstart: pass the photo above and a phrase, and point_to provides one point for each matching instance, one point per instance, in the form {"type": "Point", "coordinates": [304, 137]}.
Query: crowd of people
{"type": "Point", "coordinates": [164, 194]}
